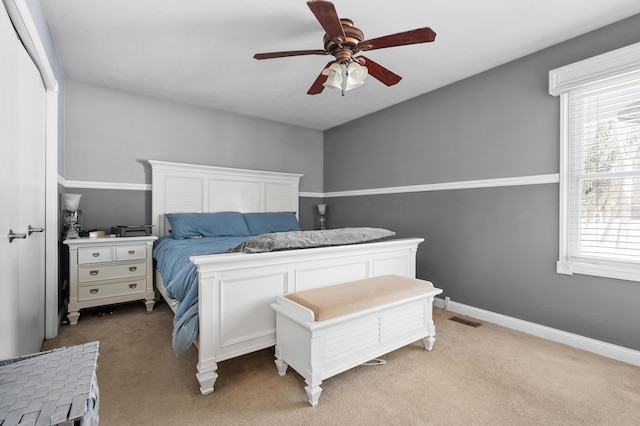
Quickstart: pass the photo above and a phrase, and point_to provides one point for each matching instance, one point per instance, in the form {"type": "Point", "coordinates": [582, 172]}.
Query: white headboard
{"type": "Point", "coordinates": [178, 187]}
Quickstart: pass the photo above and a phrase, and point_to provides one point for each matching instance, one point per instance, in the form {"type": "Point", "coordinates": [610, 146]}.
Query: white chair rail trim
{"type": "Point", "coordinates": [445, 186]}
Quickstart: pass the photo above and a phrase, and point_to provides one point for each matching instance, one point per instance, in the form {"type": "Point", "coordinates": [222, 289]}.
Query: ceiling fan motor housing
{"type": "Point", "coordinates": [343, 51]}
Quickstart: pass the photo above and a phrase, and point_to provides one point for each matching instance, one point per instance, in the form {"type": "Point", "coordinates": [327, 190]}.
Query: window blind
{"type": "Point", "coordinates": [604, 169]}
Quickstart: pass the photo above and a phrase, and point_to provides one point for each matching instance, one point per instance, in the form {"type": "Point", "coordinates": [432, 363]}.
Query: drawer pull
{"type": "Point", "coordinates": [95, 254]}
{"type": "Point", "coordinates": [131, 252]}
{"type": "Point", "coordinates": [94, 290]}
{"type": "Point", "coordinates": [133, 285]}
{"type": "Point", "coordinates": [94, 272]}
{"type": "Point", "coordinates": [133, 268]}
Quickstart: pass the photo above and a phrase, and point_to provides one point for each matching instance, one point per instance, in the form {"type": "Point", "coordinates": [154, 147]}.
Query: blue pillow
{"type": "Point", "coordinates": [266, 223]}
{"type": "Point", "coordinates": [220, 224]}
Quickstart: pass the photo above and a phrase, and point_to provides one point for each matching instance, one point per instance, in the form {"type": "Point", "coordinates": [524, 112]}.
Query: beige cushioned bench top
{"type": "Point", "coordinates": [341, 299]}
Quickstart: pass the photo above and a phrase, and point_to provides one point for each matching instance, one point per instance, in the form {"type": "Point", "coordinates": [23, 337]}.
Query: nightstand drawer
{"type": "Point", "coordinates": [109, 272]}
{"type": "Point", "coordinates": [100, 291]}
{"type": "Point", "coordinates": [95, 254]}
{"type": "Point", "coordinates": [131, 252]}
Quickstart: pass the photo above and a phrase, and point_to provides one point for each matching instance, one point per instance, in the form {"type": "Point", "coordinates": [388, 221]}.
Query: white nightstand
{"type": "Point", "coordinates": [108, 270]}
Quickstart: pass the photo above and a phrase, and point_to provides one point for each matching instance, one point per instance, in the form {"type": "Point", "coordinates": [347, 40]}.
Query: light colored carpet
{"type": "Point", "coordinates": [488, 375]}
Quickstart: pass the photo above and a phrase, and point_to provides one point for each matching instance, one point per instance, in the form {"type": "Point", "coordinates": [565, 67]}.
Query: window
{"type": "Point", "coordinates": [600, 164]}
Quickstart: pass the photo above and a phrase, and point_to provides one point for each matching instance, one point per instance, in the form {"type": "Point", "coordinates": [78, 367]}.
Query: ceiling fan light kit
{"type": "Point", "coordinates": [344, 77]}
{"type": "Point", "coordinates": [343, 41]}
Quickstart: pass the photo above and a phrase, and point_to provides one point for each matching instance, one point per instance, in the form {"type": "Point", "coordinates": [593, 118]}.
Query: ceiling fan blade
{"type": "Point", "coordinates": [380, 73]}
{"type": "Point", "coordinates": [325, 13]}
{"type": "Point", "coordinates": [420, 35]}
{"type": "Point", "coordinates": [271, 55]}
{"type": "Point", "coordinates": [317, 86]}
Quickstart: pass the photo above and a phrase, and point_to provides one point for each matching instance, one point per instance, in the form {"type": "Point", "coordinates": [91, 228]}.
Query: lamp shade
{"type": "Point", "coordinates": [356, 74]}
{"type": "Point", "coordinates": [334, 76]}
{"type": "Point", "coordinates": [71, 202]}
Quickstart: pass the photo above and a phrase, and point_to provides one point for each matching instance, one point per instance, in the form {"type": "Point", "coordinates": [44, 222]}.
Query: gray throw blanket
{"type": "Point", "coordinates": [307, 239]}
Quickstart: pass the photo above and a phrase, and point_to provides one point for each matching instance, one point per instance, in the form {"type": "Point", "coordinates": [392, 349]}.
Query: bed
{"type": "Point", "coordinates": [235, 290]}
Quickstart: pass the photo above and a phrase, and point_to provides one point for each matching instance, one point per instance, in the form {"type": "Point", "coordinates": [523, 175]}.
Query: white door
{"type": "Point", "coordinates": [8, 187]}
{"type": "Point", "coordinates": [22, 177]}
{"type": "Point", "coordinates": [31, 177]}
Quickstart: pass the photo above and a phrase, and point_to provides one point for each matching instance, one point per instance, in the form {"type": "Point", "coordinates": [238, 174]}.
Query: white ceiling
{"type": "Point", "coordinates": [201, 51]}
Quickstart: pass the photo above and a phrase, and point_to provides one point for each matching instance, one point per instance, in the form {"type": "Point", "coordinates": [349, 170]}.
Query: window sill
{"type": "Point", "coordinates": [619, 271]}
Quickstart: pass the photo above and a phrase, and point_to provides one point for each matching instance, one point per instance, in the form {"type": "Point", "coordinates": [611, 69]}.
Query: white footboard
{"type": "Point", "coordinates": [237, 289]}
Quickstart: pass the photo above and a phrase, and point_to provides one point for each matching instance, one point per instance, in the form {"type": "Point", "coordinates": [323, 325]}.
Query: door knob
{"type": "Point", "coordinates": [13, 235]}
{"type": "Point", "coordinates": [32, 230]}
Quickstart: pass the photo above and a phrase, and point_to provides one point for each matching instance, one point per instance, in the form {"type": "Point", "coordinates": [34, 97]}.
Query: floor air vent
{"type": "Point", "coordinates": [465, 321]}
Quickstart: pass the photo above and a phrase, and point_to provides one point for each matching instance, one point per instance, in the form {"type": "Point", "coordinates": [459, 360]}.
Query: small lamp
{"type": "Point", "coordinates": [70, 204]}
{"type": "Point", "coordinates": [322, 210]}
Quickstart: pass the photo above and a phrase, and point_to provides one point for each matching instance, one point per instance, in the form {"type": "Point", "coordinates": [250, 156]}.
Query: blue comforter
{"type": "Point", "coordinates": [180, 278]}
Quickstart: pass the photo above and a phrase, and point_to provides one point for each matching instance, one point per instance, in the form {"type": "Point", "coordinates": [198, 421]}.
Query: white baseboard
{"type": "Point", "coordinates": [608, 350]}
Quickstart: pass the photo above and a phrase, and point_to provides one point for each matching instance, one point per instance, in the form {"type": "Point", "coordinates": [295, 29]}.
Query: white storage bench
{"type": "Point", "coordinates": [328, 330]}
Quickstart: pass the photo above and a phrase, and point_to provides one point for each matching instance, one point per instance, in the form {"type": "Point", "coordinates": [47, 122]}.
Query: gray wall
{"type": "Point", "coordinates": [492, 248]}
{"type": "Point", "coordinates": [104, 208]}
{"type": "Point", "coordinates": [110, 134]}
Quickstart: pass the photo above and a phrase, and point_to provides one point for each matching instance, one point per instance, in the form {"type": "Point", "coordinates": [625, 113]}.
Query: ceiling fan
{"type": "Point", "coordinates": [343, 41]}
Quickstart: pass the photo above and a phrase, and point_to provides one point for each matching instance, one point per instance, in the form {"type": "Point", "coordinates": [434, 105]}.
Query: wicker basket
{"type": "Point", "coordinates": [57, 387]}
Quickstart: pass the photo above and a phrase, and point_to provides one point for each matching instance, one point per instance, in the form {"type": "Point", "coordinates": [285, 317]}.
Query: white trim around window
{"type": "Point", "coordinates": [564, 82]}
